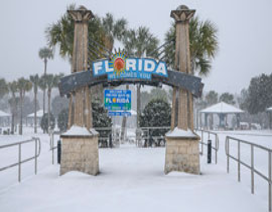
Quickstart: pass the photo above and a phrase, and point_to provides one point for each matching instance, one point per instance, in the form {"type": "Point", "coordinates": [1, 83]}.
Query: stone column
{"type": "Point", "coordinates": [81, 18]}
{"type": "Point", "coordinates": [182, 153]}
{"type": "Point", "coordinates": [80, 142]}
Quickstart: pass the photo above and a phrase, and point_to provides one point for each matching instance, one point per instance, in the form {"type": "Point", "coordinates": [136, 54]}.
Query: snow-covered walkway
{"type": "Point", "coordinates": [131, 179]}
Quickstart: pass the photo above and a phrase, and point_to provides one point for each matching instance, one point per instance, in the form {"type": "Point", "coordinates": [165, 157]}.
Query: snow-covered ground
{"type": "Point", "coordinates": [131, 179]}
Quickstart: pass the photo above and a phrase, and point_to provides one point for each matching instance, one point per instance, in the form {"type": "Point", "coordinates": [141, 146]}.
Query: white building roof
{"type": "Point", "coordinates": [222, 107]}
{"type": "Point", "coordinates": [269, 109]}
{"type": "Point", "coordinates": [4, 114]}
{"type": "Point", "coordinates": [39, 114]}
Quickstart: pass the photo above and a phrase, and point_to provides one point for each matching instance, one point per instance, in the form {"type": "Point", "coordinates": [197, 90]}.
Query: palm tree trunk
{"type": "Point", "coordinates": [45, 65]}
{"type": "Point", "coordinates": [44, 91]}
{"type": "Point", "coordinates": [35, 114]}
{"type": "Point", "coordinates": [48, 116]}
{"type": "Point", "coordinates": [21, 114]}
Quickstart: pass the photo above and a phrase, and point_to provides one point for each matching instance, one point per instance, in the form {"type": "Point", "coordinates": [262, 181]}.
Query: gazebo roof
{"type": "Point", "coordinates": [222, 107]}
{"type": "Point", "coordinates": [3, 114]}
{"type": "Point", "coordinates": [39, 114]}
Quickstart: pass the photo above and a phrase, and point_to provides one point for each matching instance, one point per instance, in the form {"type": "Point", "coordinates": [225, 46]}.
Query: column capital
{"type": "Point", "coordinates": [81, 14]}
{"type": "Point", "coordinates": [182, 14]}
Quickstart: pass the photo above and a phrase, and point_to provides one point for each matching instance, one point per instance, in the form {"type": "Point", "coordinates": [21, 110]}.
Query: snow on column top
{"type": "Point", "coordinates": [181, 133]}
{"type": "Point", "coordinates": [79, 131]}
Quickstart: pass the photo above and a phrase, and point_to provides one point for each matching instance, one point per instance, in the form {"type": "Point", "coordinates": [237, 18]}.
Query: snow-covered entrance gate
{"type": "Point", "coordinates": [80, 142]}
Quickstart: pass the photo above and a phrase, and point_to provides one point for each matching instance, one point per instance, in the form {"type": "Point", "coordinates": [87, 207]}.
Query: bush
{"type": "Point", "coordinates": [101, 119]}
{"type": "Point", "coordinates": [44, 122]}
{"type": "Point", "coordinates": [157, 113]}
{"type": "Point", "coordinates": [63, 119]}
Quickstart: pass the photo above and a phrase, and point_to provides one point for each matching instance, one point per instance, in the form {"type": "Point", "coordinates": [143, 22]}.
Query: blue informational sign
{"type": "Point", "coordinates": [119, 113]}
{"type": "Point", "coordinates": [118, 102]}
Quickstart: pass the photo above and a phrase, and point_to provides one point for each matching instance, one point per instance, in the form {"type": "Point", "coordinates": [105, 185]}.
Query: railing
{"type": "Point", "coordinates": [20, 161]}
{"type": "Point", "coordinates": [250, 166]}
{"type": "Point", "coordinates": [215, 144]}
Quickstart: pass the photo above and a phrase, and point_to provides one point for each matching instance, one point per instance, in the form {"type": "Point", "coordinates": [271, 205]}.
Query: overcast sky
{"type": "Point", "coordinates": [245, 33]}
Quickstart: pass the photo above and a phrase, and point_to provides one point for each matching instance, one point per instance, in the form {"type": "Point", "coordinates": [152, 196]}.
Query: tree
{"type": "Point", "coordinates": [63, 119]}
{"type": "Point", "coordinates": [157, 113]}
{"type": "Point", "coordinates": [138, 43]}
{"type": "Point", "coordinates": [3, 88]}
{"type": "Point", "coordinates": [159, 93]}
{"type": "Point", "coordinates": [35, 84]}
{"type": "Point", "coordinates": [211, 98]}
{"type": "Point", "coordinates": [24, 86]}
{"type": "Point", "coordinates": [242, 99]}
{"type": "Point", "coordinates": [45, 54]}
{"type": "Point", "coordinates": [51, 82]}
{"type": "Point", "coordinates": [203, 45]}
{"type": "Point", "coordinates": [103, 31]}
{"type": "Point", "coordinates": [259, 96]}
{"type": "Point", "coordinates": [100, 115]}
{"type": "Point", "coordinates": [227, 98]}
{"type": "Point", "coordinates": [13, 102]}
{"type": "Point", "coordinates": [59, 104]}
{"type": "Point", "coordinates": [47, 119]}
{"type": "Point", "coordinates": [101, 120]}
{"type": "Point", "coordinates": [113, 29]}
{"type": "Point", "coordinates": [155, 93]}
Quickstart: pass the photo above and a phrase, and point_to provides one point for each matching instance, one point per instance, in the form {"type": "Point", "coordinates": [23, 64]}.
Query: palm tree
{"type": "Point", "coordinates": [51, 82]}
{"type": "Point", "coordinates": [138, 43]}
{"type": "Point", "coordinates": [13, 89]}
{"type": "Point", "coordinates": [203, 45]}
{"type": "Point", "coordinates": [3, 87]}
{"type": "Point", "coordinates": [45, 54]}
{"type": "Point", "coordinates": [35, 83]}
{"type": "Point", "coordinates": [113, 29]}
{"type": "Point", "coordinates": [24, 86]}
{"type": "Point", "coordinates": [61, 33]}
{"type": "Point", "coordinates": [42, 86]}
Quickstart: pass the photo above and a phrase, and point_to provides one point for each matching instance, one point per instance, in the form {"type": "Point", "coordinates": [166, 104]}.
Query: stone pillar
{"type": "Point", "coordinates": [81, 18]}
{"type": "Point", "coordinates": [182, 144]}
{"type": "Point", "coordinates": [80, 142]}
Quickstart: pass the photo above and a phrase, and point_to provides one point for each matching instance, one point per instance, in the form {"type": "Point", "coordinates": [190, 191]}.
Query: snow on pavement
{"type": "Point", "coordinates": [131, 179]}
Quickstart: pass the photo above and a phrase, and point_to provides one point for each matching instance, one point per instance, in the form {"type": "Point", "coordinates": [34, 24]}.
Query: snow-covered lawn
{"type": "Point", "coordinates": [131, 179]}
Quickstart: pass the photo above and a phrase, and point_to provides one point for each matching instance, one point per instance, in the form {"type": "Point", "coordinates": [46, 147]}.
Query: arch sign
{"type": "Point", "coordinates": [120, 70]}
{"type": "Point", "coordinates": [121, 67]}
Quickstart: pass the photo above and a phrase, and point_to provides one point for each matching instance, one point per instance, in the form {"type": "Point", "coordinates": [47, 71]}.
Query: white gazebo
{"type": "Point", "coordinates": [4, 119]}
{"type": "Point", "coordinates": [30, 119]}
{"type": "Point", "coordinates": [222, 109]}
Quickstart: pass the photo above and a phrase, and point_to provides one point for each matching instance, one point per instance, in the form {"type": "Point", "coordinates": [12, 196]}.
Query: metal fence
{"type": "Point", "coordinates": [20, 161]}
{"type": "Point", "coordinates": [250, 166]}
{"type": "Point", "coordinates": [215, 142]}
{"type": "Point", "coordinates": [152, 136]}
